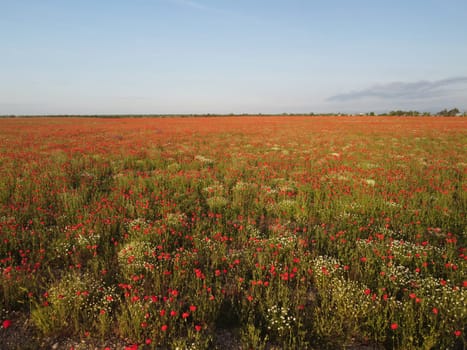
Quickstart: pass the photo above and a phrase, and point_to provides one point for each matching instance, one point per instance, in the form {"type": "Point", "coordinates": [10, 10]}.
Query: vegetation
{"type": "Point", "coordinates": [293, 233]}
{"type": "Point", "coordinates": [410, 113]}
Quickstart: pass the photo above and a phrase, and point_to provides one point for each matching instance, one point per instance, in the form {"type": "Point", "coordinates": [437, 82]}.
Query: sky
{"type": "Point", "coordinates": [231, 56]}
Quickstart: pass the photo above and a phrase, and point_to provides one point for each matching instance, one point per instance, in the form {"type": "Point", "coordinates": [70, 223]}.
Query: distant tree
{"type": "Point", "coordinates": [450, 113]}
{"type": "Point", "coordinates": [406, 113]}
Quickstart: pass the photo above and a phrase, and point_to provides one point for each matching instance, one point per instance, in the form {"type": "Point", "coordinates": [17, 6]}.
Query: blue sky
{"type": "Point", "coordinates": [231, 56]}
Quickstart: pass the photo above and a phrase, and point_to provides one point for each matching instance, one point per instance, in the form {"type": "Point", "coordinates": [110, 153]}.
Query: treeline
{"type": "Point", "coordinates": [444, 113]}
{"type": "Point", "coordinates": [410, 113]}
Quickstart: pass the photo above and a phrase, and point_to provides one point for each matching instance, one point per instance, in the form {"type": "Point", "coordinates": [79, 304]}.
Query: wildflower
{"type": "Point", "coordinates": [367, 291]}
{"type": "Point", "coordinates": [394, 326]}
{"type": "Point", "coordinates": [164, 328]}
{"type": "Point", "coordinates": [192, 308]}
{"type": "Point", "coordinates": [197, 327]}
{"type": "Point", "coordinates": [185, 315]}
{"type": "Point", "coordinates": [6, 324]}
{"type": "Point", "coordinates": [457, 333]}
{"type": "Point", "coordinates": [435, 311]}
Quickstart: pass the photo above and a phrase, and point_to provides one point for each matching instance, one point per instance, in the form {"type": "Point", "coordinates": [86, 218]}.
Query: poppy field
{"type": "Point", "coordinates": [284, 232]}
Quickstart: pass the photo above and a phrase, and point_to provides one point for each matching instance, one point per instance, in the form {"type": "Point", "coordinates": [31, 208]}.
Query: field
{"type": "Point", "coordinates": [262, 232]}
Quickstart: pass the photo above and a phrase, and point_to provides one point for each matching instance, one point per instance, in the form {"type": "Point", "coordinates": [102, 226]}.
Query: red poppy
{"type": "Point", "coordinates": [394, 326]}
{"type": "Point", "coordinates": [6, 324]}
